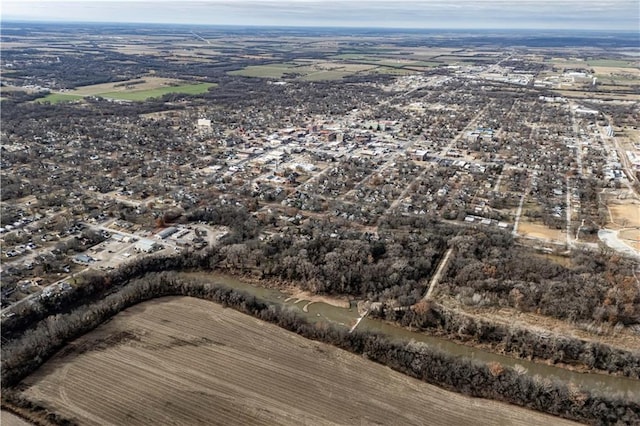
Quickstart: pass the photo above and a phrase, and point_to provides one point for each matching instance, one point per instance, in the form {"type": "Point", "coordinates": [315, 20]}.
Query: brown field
{"type": "Point", "coordinates": [181, 360]}
{"type": "Point", "coordinates": [625, 214]}
{"type": "Point", "coordinates": [631, 237]}
{"type": "Point", "coordinates": [635, 72]}
{"type": "Point", "coordinates": [596, 95]}
{"type": "Point", "coordinates": [538, 230]}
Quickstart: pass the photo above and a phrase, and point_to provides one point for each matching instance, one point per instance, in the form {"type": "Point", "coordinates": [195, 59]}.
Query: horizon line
{"type": "Point", "coordinates": [16, 20]}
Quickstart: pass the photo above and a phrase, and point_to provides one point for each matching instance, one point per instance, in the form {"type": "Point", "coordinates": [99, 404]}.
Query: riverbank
{"type": "Point", "coordinates": [566, 359]}
{"type": "Point", "coordinates": [466, 375]}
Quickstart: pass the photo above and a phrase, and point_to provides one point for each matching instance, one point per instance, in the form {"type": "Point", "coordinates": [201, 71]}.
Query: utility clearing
{"type": "Point", "coordinates": [180, 360]}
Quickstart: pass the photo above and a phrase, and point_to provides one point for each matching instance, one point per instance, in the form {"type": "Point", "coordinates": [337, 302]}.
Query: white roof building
{"type": "Point", "coordinates": [146, 245]}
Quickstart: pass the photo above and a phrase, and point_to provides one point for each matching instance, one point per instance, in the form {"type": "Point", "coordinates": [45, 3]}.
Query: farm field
{"type": "Point", "coordinates": [181, 360]}
{"type": "Point", "coordinates": [316, 71]}
{"type": "Point", "coordinates": [265, 71]}
{"type": "Point", "coordinates": [133, 90]}
{"type": "Point", "coordinates": [54, 98]}
{"type": "Point", "coordinates": [9, 419]}
{"type": "Point", "coordinates": [142, 83]}
{"type": "Point", "coordinates": [140, 95]}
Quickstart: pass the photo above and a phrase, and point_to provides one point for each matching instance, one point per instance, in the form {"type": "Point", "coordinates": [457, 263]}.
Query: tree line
{"type": "Point", "coordinates": [514, 341]}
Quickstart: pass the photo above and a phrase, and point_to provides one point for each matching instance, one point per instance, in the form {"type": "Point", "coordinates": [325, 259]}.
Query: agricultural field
{"type": "Point", "coordinates": [9, 419]}
{"type": "Point", "coordinates": [142, 83]}
{"type": "Point", "coordinates": [132, 90]}
{"type": "Point", "coordinates": [141, 95]}
{"type": "Point", "coordinates": [327, 70]}
{"type": "Point", "coordinates": [265, 71]}
{"type": "Point", "coordinates": [55, 98]}
{"type": "Point", "coordinates": [188, 361]}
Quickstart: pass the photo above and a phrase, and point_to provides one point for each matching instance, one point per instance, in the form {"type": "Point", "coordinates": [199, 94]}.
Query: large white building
{"type": "Point", "coordinates": [146, 245]}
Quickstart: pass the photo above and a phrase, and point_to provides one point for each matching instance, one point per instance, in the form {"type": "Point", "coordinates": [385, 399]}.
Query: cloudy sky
{"type": "Point", "coordinates": [468, 14]}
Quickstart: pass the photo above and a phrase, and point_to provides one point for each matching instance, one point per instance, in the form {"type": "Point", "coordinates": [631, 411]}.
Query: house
{"type": "Point", "coordinates": [420, 155]}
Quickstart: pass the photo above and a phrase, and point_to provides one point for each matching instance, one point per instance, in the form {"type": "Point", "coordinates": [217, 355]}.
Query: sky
{"type": "Point", "coordinates": [450, 14]}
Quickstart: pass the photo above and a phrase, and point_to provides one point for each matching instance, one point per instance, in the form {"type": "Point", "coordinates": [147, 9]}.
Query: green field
{"type": "Point", "coordinates": [610, 63]}
{"type": "Point", "coordinates": [54, 98]}
{"type": "Point", "coordinates": [265, 71]}
{"type": "Point", "coordinates": [134, 95]}
{"type": "Point", "coordinates": [141, 95]}
{"type": "Point", "coordinates": [613, 63]}
{"type": "Point", "coordinates": [393, 71]}
{"type": "Point", "coordinates": [357, 56]}
{"type": "Point", "coordinates": [316, 71]}
{"type": "Point", "coordinates": [326, 75]}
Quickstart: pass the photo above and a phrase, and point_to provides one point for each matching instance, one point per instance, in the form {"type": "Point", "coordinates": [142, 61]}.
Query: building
{"type": "Point", "coordinates": [83, 258]}
{"type": "Point", "coordinates": [167, 232]}
{"type": "Point", "coordinates": [204, 122]}
{"type": "Point", "coordinates": [147, 246]}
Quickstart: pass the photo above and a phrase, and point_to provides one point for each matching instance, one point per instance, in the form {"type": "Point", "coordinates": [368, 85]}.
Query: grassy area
{"type": "Point", "coordinates": [265, 71]}
{"type": "Point", "coordinates": [393, 71]}
{"type": "Point", "coordinates": [141, 95]}
{"type": "Point", "coordinates": [350, 56]}
{"type": "Point", "coordinates": [132, 95]}
{"type": "Point", "coordinates": [325, 75]}
{"type": "Point", "coordinates": [610, 63]}
{"type": "Point", "coordinates": [54, 98]}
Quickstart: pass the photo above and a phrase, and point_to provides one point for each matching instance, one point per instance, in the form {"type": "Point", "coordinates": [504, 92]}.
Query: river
{"type": "Point", "coordinates": [344, 317]}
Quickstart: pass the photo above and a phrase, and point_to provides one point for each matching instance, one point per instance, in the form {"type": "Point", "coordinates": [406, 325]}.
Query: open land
{"type": "Point", "coordinates": [539, 230]}
{"type": "Point", "coordinates": [10, 419]}
{"type": "Point", "coordinates": [133, 90]}
{"type": "Point", "coordinates": [200, 363]}
{"type": "Point", "coordinates": [626, 215]}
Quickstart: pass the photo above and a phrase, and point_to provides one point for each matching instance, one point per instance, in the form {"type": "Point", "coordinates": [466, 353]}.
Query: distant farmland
{"type": "Point", "coordinates": [181, 360]}
{"type": "Point", "coordinates": [134, 90]}
{"type": "Point", "coordinates": [141, 95]}
{"type": "Point", "coordinates": [330, 70]}
{"type": "Point", "coordinates": [54, 98]}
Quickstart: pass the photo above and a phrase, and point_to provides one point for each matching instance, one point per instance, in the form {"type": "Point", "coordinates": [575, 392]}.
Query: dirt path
{"type": "Point", "coordinates": [436, 277]}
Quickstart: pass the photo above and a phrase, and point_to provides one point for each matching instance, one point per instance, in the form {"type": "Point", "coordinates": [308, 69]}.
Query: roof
{"type": "Point", "coordinates": [84, 258]}
{"type": "Point", "coordinates": [145, 244]}
{"type": "Point", "coordinates": [168, 231]}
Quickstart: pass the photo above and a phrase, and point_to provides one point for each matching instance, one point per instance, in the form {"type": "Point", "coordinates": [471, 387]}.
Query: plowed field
{"type": "Point", "coordinates": [188, 361]}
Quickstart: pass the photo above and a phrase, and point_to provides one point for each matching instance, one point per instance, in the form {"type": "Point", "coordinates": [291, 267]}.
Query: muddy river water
{"type": "Point", "coordinates": [344, 317]}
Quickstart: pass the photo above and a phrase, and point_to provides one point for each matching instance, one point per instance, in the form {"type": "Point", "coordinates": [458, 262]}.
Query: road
{"type": "Point", "coordinates": [519, 213]}
{"type": "Point", "coordinates": [568, 211]}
